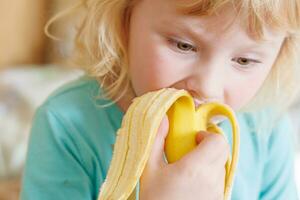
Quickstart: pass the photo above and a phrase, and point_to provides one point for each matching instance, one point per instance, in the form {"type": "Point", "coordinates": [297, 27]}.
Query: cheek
{"type": "Point", "coordinates": [243, 92]}
{"type": "Point", "coordinates": [151, 68]}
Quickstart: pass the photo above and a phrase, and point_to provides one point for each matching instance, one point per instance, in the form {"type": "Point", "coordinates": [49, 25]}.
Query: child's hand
{"type": "Point", "coordinates": [200, 174]}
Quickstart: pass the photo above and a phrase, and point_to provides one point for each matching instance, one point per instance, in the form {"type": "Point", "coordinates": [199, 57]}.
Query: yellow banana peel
{"type": "Point", "coordinates": [138, 130]}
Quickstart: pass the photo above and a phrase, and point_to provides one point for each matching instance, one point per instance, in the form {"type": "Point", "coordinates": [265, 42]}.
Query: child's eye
{"type": "Point", "coordinates": [183, 46]}
{"type": "Point", "coordinates": [245, 61]}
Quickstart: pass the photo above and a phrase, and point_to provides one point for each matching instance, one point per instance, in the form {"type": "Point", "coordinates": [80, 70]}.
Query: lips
{"type": "Point", "coordinates": [198, 102]}
{"type": "Point", "coordinates": [216, 119]}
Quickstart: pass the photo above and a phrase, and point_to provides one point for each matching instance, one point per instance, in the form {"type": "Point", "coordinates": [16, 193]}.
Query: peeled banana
{"type": "Point", "coordinates": [138, 131]}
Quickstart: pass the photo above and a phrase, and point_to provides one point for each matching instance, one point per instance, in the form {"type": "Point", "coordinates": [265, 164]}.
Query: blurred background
{"type": "Point", "coordinates": [31, 67]}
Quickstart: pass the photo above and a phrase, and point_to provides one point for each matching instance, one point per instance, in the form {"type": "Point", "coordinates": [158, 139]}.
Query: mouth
{"type": "Point", "coordinates": [216, 119]}
{"type": "Point", "coordinates": [198, 102]}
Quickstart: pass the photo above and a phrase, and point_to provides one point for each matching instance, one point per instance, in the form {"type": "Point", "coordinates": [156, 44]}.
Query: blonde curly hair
{"type": "Point", "coordinates": [101, 42]}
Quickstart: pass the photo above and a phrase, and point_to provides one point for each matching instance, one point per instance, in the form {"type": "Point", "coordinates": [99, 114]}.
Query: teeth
{"type": "Point", "coordinates": [215, 119]}
{"type": "Point", "coordinates": [197, 102]}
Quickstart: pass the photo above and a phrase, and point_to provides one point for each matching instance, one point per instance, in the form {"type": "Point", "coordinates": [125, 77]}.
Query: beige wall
{"type": "Point", "coordinates": [21, 36]}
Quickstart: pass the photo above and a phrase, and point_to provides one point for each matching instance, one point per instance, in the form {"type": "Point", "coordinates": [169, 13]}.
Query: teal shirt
{"type": "Point", "coordinates": [71, 141]}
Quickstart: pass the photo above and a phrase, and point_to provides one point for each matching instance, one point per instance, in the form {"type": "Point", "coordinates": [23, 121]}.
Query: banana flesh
{"type": "Point", "coordinates": [138, 130]}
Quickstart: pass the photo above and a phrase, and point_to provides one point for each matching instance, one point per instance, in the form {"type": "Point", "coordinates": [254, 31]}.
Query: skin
{"type": "Point", "coordinates": [216, 70]}
{"type": "Point", "coordinates": [210, 60]}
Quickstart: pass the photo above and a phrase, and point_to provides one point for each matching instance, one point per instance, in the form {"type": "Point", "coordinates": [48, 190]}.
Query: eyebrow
{"type": "Point", "coordinates": [182, 27]}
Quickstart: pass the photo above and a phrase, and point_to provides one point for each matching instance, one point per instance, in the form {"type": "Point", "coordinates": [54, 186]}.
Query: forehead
{"type": "Point", "coordinates": [166, 13]}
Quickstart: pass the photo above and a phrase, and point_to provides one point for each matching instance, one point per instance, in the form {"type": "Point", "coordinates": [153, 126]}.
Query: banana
{"type": "Point", "coordinates": [138, 131]}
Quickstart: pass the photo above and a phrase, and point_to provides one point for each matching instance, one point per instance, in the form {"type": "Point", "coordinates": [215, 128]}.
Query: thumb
{"type": "Point", "coordinates": [157, 153]}
{"type": "Point", "coordinates": [201, 136]}
{"type": "Point", "coordinates": [212, 147]}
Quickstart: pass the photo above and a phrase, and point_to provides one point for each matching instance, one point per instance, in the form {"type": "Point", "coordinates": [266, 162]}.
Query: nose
{"type": "Point", "coordinates": [207, 83]}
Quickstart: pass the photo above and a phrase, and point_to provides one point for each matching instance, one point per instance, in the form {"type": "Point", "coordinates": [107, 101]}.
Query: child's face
{"type": "Point", "coordinates": [167, 49]}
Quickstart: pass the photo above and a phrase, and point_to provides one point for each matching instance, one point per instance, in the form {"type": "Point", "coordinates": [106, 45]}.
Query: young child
{"type": "Point", "coordinates": [242, 53]}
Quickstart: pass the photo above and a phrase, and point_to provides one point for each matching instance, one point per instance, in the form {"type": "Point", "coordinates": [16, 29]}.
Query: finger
{"type": "Point", "coordinates": [219, 184]}
{"type": "Point", "coordinates": [201, 135]}
{"type": "Point", "coordinates": [157, 153]}
{"type": "Point", "coordinates": [212, 148]}
{"type": "Point", "coordinates": [222, 179]}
